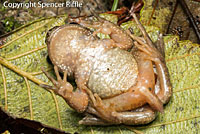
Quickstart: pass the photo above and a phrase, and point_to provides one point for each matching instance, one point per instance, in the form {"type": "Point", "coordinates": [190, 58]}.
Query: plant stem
{"type": "Point", "coordinates": [114, 7]}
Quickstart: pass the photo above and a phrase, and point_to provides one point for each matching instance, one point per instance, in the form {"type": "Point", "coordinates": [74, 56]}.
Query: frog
{"type": "Point", "coordinates": [120, 80]}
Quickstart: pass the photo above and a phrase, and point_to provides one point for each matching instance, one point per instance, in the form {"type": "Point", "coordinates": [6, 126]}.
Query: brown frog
{"type": "Point", "coordinates": [114, 86]}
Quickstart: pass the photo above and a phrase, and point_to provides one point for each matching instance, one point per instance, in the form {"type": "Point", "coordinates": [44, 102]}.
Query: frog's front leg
{"type": "Point", "coordinates": [117, 34]}
{"type": "Point", "coordinates": [78, 99]}
{"type": "Point", "coordinates": [138, 116]}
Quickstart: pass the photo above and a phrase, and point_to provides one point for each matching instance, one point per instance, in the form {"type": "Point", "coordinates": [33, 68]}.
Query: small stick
{"type": "Point", "coordinates": [191, 18]}
{"type": "Point", "coordinates": [174, 11]}
{"type": "Point", "coordinates": [154, 9]}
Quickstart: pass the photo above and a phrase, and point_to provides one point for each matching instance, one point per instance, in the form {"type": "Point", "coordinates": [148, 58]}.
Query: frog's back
{"type": "Point", "coordinates": [113, 73]}
{"type": "Point", "coordinates": [64, 44]}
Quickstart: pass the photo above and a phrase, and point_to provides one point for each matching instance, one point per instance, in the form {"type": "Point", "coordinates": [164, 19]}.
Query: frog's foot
{"type": "Point", "coordinates": [119, 36]}
{"type": "Point", "coordinates": [142, 29]}
{"type": "Point", "coordinates": [152, 52]}
{"type": "Point", "coordinates": [77, 100]}
{"type": "Point", "coordinates": [59, 84]}
{"type": "Point", "coordinates": [139, 116]}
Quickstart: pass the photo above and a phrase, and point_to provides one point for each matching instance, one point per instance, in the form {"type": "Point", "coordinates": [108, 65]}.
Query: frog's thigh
{"type": "Point", "coordinates": [139, 116]}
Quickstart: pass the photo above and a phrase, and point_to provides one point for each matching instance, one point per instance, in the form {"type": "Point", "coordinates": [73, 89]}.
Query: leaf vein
{"type": "Point", "coordinates": [57, 109]}
{"type": "Point", "coordinates": [171, 122]}
{"type": "Point", "coordinates": [24, 35]}
{"type": "Point", "coordinates": [29, 97]}
{"type": "Point", "coordinates": [26, 53]}
{"type": "Point", "coordinates": [180, 57]}
{"type": "Point", "coordinates": [5, 89]}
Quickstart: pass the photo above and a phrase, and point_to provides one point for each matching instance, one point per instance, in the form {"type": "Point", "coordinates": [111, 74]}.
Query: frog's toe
{"type": "Point", "coordinates": [92, 120]}
{"type": "Point", "coordinates": [47, 86]}
{"type": "Point", "coordinates": [98, 100]}
{"type": "Point", "coordinates": [142, 48]}
{"type": "Point", "coordinates": [142, 29]}
{"type": "Point", "coordinates": [57, 74]}
{"type": "Point", "coordinates": [160, 45]}
{"type": "Point", "coordinates": [49, 76]}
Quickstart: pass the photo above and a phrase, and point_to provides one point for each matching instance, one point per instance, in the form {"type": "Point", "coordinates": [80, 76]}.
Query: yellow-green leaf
{"type": "Point", "coordinates": [21, 97]}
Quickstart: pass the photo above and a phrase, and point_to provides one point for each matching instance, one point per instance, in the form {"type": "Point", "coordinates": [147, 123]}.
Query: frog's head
{"type": "Point", "coordinates": [50, 33]}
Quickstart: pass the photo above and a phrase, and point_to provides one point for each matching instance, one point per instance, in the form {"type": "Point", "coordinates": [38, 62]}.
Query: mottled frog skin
{"type": "Point", "coordinates": [114, 86]}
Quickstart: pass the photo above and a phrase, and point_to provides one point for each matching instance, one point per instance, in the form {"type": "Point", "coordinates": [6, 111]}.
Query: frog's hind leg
{"type": "Point", "coordinates": [76, 99]}
{"type": "Point", "coordinates": [157, 57]}
{"type": "Point", "coordinates": [165, 91]}
{"type": "Point", "coordinates": [111, 109]}
{"type": "Point", "coordinates": [139, 116]}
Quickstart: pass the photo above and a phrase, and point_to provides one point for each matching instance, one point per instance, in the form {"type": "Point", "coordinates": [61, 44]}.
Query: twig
{"type": "Point", "coordinates": [174, 11]}
{"type": "Point", "coordinates": [191, 18]}
{"type": "Point", "coordinates": [154, 8]}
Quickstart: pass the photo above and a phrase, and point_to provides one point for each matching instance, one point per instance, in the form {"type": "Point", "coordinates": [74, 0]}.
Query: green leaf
{"type": "Point", "coordinates": [182, 113]}
{"type": "Point", "coordinates": [160, 18]}
{"type": "Point", "coordinates": [26, 49]}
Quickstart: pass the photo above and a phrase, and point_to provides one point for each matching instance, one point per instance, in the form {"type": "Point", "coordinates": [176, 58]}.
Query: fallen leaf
{"type": "Point", "coordinates": [26, 50]}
